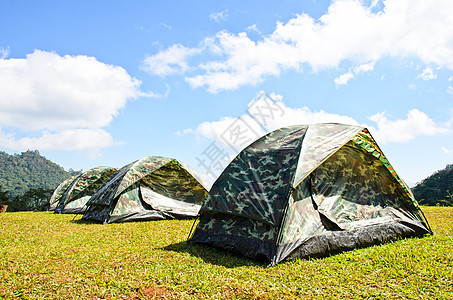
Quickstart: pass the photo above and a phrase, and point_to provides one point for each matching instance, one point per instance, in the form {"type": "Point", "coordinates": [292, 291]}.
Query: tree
{"type": "Point", "coordinates": [38, 198]}
{"type": "Point", "coordinates": [449, 198]}
{"type": "Point", "coordinates": [33, 199]}
{"type": "Point", "coordinates": [73, 172]}
{"type": "Point", "coordinates": [29, 170]}
{"type": "Point", "coordinates": [4, 195]}
{"type": "Point", "coordinates": [435, 189]}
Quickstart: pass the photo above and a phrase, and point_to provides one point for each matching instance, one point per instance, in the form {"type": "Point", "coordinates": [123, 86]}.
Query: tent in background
{"type": "Point", "coordinates": [59, 192]}
{"type": "Point", "coordinates": [81, 189]}
{"type": "Point", "coordinates": [151, 188]}
{"type": "Point", "coordinates": [308, 191]}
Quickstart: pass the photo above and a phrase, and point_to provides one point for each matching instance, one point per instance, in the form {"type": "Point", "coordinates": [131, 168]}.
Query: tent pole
{"type": "Point", "coordinates": [426, 220]}
{"type": "Point", "coordinates": [191, 228]}
{"type": "Point", "coordinates": [78, 212]}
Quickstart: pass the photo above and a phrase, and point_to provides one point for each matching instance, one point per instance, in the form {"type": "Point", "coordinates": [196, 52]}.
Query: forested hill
{"type": "Point", "coordinates": [29, 170]}
{"type": "Point", "coordinates": [437, 189]}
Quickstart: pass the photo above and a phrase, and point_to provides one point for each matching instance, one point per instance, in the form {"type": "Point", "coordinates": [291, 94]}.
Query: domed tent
{"type": "Point", "coordinates": [308, 191]}
{"type": "Point", "coordinates": [59, 192]}
{"type": "Point", "coordinates": [151, 188]}
{"type": "Point", "coordinates": [81, 188]}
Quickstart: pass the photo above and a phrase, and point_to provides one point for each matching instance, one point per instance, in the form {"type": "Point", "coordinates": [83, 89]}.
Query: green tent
{"type": "Point", "coordinates": [308, 191]}
{"type": "Point", "coordinates": [81, 188]}
{"type": "Point", "coordinates": [151, 188]}
{"type": "Point", "coordinates": [59, 192]}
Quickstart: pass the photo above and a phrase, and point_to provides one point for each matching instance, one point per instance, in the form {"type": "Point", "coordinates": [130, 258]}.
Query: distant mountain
{"type": "Point", "coordinates": [437, 189]}
{"type": "Point", "coordinates": [29, 170]}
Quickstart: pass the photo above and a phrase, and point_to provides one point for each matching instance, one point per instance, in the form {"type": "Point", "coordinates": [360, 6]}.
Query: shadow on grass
{"type": "Point", "coordinates": [213, 255]}
{"type": "Point", "coordinates": [78, 220]}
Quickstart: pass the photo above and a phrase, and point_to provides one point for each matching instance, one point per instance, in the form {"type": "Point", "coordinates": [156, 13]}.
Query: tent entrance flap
{"type": "Point", "coordinates": [161, 203]}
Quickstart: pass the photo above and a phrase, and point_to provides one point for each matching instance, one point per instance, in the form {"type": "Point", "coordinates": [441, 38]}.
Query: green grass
{"type": "Point", "coordinates": [48, 256]}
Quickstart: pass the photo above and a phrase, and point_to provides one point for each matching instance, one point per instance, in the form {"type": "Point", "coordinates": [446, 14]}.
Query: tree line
{"type": "Point", "coordinates": [31, 200]}
{"type": "Point", "coordinates": [436, 189]}
{"type": "Point", "coordinates": [29, 170]}
{"type": "Point", "coordinates": [27, 180]}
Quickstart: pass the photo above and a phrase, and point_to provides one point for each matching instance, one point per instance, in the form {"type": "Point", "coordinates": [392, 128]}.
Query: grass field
{"type": "Point", "coordinates": [48, 256]}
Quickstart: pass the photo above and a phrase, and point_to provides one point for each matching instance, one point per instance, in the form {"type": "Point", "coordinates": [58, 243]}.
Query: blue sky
{"type": "Point", "coordinates": [91, 83]}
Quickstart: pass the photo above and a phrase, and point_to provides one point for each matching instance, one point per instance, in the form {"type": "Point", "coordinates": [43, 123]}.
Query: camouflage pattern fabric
{"type": "Point", "coordinates": [173, 181]}
{"type": "Point", "coordinates": [82, 188]}
{"type": "Point", "coordinates": [104, 203]}
{"type": "Point", "coordinates": [321, 141]}
{"type": "Point", "coordinates": [256, 184]}
{"type": "Point", "coordinates": [354, 187]}
{"type": "Point", "coordinates": [123, 195]}
{"type": "Point", "coordinates": [89, 181]}
{"type": "Point", "coordinates": [98, 213]}
{"type": "Point", "coordinates": [140, 169]}
{"type": "Point", "coordinates": [59, 191]}
{"type": "Point", "coordinates": [302, 220]}
{"type": "Point", "coordinates": [366, 141]}
{"type": "Point", "coordinates": [350, 191]}
{"type": "Point", "coordinates": [76, 206]}
{"type": "Point", "coordinates": [63, 199]}
{"type": "Point", "coordinates": [129, 201]}
{"type": "Point", "coordinates": [245, 236]}
{"type": "Point", "coordinates": [107, 192]}
{"type": "Point", "coordinates": [347, 197]}
{"type": "Point", "coordinates": [194, 174]}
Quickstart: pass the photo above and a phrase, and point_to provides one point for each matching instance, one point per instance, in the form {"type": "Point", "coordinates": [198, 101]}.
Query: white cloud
{"type": "Point", "coordinates": [445, 150]}
{"type": "Point", "coordinates": [416, 124]}
{"type": "Point", "coordinates": [272, 113]}
{"type": "Point", "coordinates": [264, 114]}
{"type": "Point", "coordinates": [348, 31]}
{"type": "Point", "coordinates": [450, 90]}
{"type": "Point", "coordinates": [219, 16]}
{"type": "Point", "coordinates": [231, 133]}
{"type": "Point", "coordinates": [247, 62]}
{"type": "Point", "coordinates": [47, 91]}
{"type": "Point", "coordinates": [374, 3]}
{"type": "Point", "coordinates": [253, 28]}
{"type": "Point", "coordinates": [343, 79]}
{"type": "Point", "coordinates": [166, 26]}
{"type": "Point", "coordinates": [4, 52]}
{"type": "Point", "coordinates": [228, 136]}
{"type": "Point", "coordinates": [184, 132]}
{"type": "Point", "coordinates": [427, 74]}
{"type": "Point", "coordinates": [171, 61]}
{"type": "Point", "coordinates": [70, 139]}
{"type": "Point", "coordinates": [267, 113]}
{"type": "Point", "coordinates": [364, 68]}
{"type": "Point", "coordinates": [61, 101]}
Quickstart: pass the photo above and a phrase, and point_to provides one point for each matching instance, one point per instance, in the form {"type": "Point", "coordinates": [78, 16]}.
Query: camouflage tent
{"type": "Point", "coordinates": [80, 189]}
{"type": "Point", "coordinates": [59, 191]}
{"type": "Point", "coordinates": [151, 188]}
{"type": "Point", "coordinates": [308, 191]}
